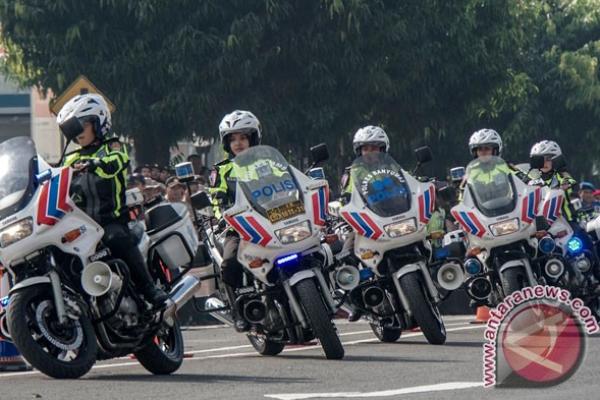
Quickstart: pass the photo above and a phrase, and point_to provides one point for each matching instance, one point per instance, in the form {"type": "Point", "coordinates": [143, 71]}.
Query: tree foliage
{"type": "Point", "coordinates": [428, 71]}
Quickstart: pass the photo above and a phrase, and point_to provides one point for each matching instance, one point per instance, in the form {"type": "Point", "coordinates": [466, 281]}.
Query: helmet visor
{"type": "Point", "coordinates": [71, 128]}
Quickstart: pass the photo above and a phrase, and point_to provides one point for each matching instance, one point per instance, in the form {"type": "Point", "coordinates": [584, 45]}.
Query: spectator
{"type": "Point", "coordinates": [597, 195]}
{"type": "Point", "coordinates": [136, 180]}
{"type": "Point", "coordinates": [590, 207]}
{"type": "Point", "coordinates": [164, 174]}
{"type": "Point", "coordinates": [146, 171]}
{"type": "Point", "coordinates": [155, 172]}
{"type": "Point", "coordinates": [176, 191]}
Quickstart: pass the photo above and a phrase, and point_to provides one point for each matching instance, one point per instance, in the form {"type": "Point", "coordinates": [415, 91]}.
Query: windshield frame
{"type": "Point", "coordinates": [284, 207]}
{"type": "Point", "coordinates": [382, 162]}
{"type": "Point", "coordinates": [507, 208]}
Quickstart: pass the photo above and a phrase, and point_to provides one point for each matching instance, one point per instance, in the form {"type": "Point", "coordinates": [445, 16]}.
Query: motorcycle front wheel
{"type": "Point", "coordinates": [62, 351]}
{"type": "Point", "coordinates": [316, 312]}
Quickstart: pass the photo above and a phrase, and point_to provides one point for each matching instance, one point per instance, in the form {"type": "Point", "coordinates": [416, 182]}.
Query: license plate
{"type": "Point", "coordinates": [285, 211]}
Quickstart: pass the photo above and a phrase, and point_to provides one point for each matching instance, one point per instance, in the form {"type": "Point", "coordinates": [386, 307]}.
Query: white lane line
{"type": "Point", "coordinates": [384, 393]}
{"type": "Point", "coordinates": [229, 355]}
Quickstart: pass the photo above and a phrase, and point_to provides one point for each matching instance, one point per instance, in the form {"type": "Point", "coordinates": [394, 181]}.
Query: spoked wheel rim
{"type": "Point", "coordinates": [62, 341]}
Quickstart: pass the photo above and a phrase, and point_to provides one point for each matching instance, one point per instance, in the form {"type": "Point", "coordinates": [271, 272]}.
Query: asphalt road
{"type": "Point", "coordinates": [222, 365]}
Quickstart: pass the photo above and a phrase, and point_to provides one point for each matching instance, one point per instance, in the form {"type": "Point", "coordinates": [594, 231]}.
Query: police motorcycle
{"type": "Point", "coordinates": [498, 214]}
{"type": "Point", "coordinates": [563, 258]}
{"type": "Point", "coordinates": [71, 302]}
{"type": "Point", "coordinates": [279, 213]}
{"type": "Point", "coordinates": [393, 284]}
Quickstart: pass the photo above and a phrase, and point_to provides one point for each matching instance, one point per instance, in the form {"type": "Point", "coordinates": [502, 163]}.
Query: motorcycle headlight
{"type": "Point", "coordinates": [505, 227]}
{"type": "Point", "coordinates": [294, 233]}
{"type": "Point", "coordinates": [401, 228]}
{"type": "Point", "coordinates": [15, 232]}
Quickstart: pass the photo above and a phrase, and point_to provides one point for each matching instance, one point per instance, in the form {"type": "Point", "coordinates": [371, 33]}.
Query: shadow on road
{"type": "Point", "coordinates": [359, 358]}
{"type": "Point", "coordinates": [447, 344]}
{"type": "Point", "coordinates": [199, 378]}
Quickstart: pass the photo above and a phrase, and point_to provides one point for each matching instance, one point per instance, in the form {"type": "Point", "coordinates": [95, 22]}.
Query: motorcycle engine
{"type": "Point", "coordinates": [127, 315]}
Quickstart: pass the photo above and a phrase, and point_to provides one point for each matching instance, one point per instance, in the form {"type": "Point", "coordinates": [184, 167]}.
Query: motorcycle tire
{"type": "Point", "coordinates": [385, 334]}
{"type": "Point", "coordinates": [264, 346]}
{"type": "Point", "coordinates": [31, 310]}
{"type": "Point", "coordinates": [425, 313]}
{"type": "Point", "coordinates": [318, 317]}
{"type": "Point", "coordinates": [164, 354]}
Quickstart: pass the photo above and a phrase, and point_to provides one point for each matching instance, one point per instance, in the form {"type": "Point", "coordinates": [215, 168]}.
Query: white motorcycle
{"type": "Point", "coordinates": [498, 213]}
{"type": "Point", "coordinates": [279, 214]}
{"type": "Point", "coordinates": [389, 211]}
{"type": "Point", "coordinates": [70, 301]}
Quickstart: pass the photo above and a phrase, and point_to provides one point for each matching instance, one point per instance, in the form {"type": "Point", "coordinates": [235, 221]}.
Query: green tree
{"type": "Point", "coordinates": [428, 71]}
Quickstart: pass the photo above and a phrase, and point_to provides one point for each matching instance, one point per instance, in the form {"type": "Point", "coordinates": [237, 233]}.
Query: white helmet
{"type": "Point", "coordinates": [87, 107]}
{"type": "Point", "coordinates": [370, 135]}
{"type": "Point", "coordinates": [485, 137]}
{"type": "Point", "coordinates": [546, 148]}
{"type": "Point", "coordinates": [240, 121]}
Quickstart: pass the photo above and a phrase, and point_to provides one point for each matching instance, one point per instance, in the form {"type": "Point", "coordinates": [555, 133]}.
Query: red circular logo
{"type": "Point", "coordinates": [543, 343]}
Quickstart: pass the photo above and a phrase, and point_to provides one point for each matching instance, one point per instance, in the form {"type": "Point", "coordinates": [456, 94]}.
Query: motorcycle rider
{"type": "Point", "coordinates": [552, 177]}
{"type": "Point", "coordinates": [238, 131]}
{"type": "Point", "coordinates": [100, 187]}
{"type": "Point", "coordinates": [590, 207]}
{"type": "Point", "coordinates": [367, 140]}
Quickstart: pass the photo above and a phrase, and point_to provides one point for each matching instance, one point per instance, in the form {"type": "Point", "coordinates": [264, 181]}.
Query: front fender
{"type": "Point", "coordinates": [36, 280]}
{"type": "Point", "coordinates": [300, 276]}
{"type": "Point", "coordinates": [521, 263]}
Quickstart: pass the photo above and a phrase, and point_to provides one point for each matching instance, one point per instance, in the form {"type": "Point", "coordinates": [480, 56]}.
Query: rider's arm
{"type": "Point", "coordinates": [110, 165]}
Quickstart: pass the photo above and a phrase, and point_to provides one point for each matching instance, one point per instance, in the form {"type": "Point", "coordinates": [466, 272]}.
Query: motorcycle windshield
{"type": "Point", "coordinates": [490, 181]}
{"type": "Point", "coordinates": [381, 184]}
{"type": "Point", "coordinates": [268, 183]}
{"type": "Point", "coordinates": [15, 174]}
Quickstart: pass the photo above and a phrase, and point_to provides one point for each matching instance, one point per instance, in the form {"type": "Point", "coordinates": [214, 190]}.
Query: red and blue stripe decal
{"type": "Point", "coordinates": [469, 223]}
{"type": "Point", "coordinates": [530, 206]}
{"type": "Point", "coordinates": [250, 230]}
{"type": "Point", "coordinates": [553, 208]}
{"type": "Point", "coordinates": [320, 199]}
{"type": "Point", "coordinates": [426, 205]}
{"type": "Point", "coordinates": [52, 204]}
{"type": "Point", "coordinates": [363, 224]}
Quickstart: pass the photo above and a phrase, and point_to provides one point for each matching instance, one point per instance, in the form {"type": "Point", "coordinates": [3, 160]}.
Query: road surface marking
{"type": "Point", "coordinates": [384, 393]}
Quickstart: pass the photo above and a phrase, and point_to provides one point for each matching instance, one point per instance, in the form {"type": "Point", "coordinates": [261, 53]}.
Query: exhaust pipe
{"type": "Point", "coordinates": [479, 288]}
{"type": "Point", "coordinates": [347, 277]}
{"type": "Point", "coordinates": [450, 276]}
{"type": "Point", "coordinates": [179, 295]}
{"type": "Point", "coordinates": [255, 311]}
{"type": "Point", "coordinates": [373, 296]}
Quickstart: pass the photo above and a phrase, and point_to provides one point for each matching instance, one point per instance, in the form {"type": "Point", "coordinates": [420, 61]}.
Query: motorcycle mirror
{"type": "Point", "coordinates": [319, 153]}
{"type": "Point", "coordinates": [536, 162]}
{"type": "Point", "coordinates": [423, 154]}
{"type": "Point", "coordinates": [200, 200]}
{"type": "Point", "coordinates": [71, 128]}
